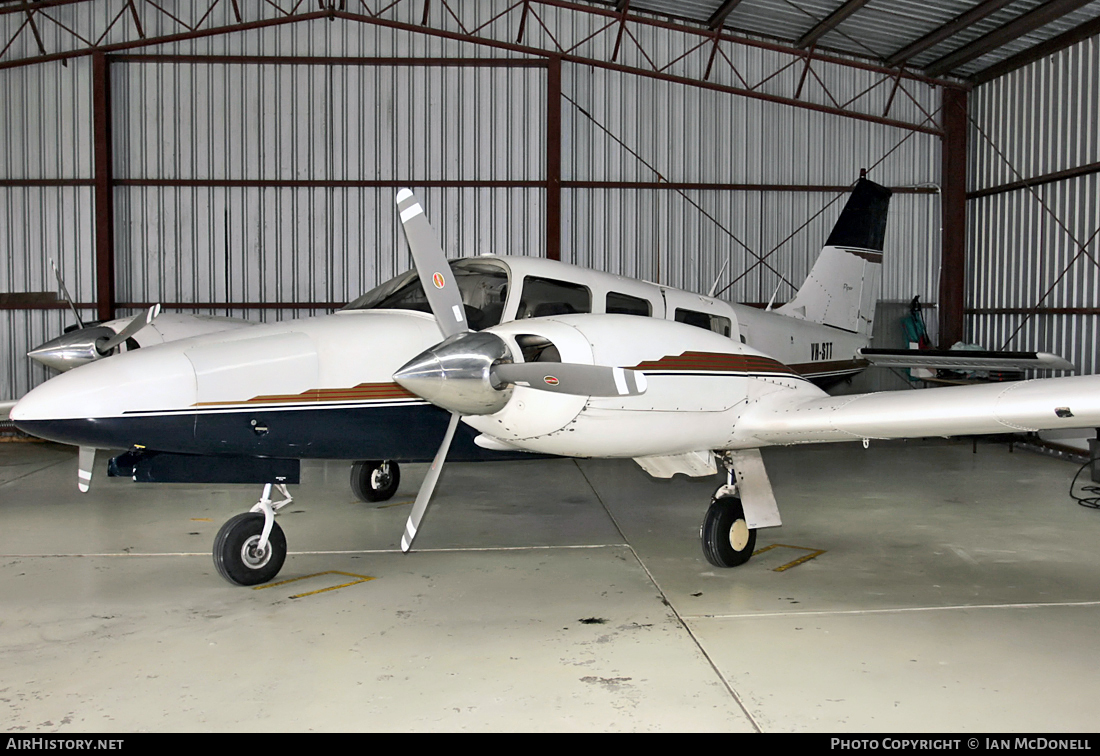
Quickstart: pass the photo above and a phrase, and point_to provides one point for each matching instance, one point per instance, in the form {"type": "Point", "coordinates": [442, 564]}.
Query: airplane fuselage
{"type": "Point", "coordinates": [323, 387]}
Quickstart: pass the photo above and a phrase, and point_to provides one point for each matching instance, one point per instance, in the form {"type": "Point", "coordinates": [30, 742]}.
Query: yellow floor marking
{"type": "Point", "coordinates": [394, 504]}
{"type": "Point", "coordinates": [201, 519]}
{"type": "Point", "coordinates": [361, 579]}
{"type": "Point", "coordinates": [796, 562]}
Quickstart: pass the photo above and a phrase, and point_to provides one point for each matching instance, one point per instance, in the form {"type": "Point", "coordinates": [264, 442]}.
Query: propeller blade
{"type": "Point", "coordinates": [139, 321]}
{"type": "Point", "coordinates": [84, 465]}
{"type": "Point", "coordinates": [423, 497]}
{"type": "Point", "coordinates": [573, 378]}
{"type": "Point", "coordinates": [65, 292]}
{"type": "Point", "coordinates": [431, 265]}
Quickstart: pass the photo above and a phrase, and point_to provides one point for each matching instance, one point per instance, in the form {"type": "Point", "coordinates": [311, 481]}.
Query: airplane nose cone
{"type": "Point", "coordinates": [71, 349]}
{"type": "Point", "coordinates": [454, 374]}
{"type": "Point", "coordinates": [76, 406]}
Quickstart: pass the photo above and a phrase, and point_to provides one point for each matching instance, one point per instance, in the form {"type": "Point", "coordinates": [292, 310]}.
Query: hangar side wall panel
{"type": "Point", "coordinates": [45, 137]}
{"type": "Point", "coordinates": [324, 124]}
{"type": "Point", "coordinates": [218, 121]}
{"type": "Point", "coordinates": [214, 244]}
{"type": "Point", "coordinates": [45, 121]}
{"type": "Point", "coordinates": [1038, 247]}
{"type": "Point", "coordinates": [1038, 119]}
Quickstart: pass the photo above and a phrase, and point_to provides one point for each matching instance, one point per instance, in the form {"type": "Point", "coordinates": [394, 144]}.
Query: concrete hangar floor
{"type": "Point", "coordinates": [957, 591]}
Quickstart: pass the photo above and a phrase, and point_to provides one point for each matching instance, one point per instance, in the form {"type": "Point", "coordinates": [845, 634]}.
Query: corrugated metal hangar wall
{"type": "Point", "coordinates": [252, 173]}
{"type": "Point", "coordinates": [1034, 208]}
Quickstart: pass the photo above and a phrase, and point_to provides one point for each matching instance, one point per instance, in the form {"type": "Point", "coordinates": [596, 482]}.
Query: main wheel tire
{"type": "Point", "coordinates": [235, 553]}
{"type": "Point", "coordinates": [375, 480]}
{"type": "Point", "coordinates": [727, 539]}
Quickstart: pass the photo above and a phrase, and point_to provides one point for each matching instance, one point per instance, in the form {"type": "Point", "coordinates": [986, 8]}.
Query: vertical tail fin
{"type": "Point", "coordinates": [843, 286]}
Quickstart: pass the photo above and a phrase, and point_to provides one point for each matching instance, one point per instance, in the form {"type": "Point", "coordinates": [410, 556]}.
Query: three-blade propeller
{"type": "Point", "coordinates": [472, 373]}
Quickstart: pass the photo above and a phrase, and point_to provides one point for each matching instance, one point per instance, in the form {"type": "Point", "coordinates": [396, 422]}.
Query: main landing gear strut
{"type": "Point", "coordinates": [250, 548]}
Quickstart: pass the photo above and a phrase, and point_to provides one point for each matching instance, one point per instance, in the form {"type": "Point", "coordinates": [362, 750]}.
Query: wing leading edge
{"type": "Point", "coordinates": [963, 359]}
{"type": "Point", "coordinates": [1042, 404]}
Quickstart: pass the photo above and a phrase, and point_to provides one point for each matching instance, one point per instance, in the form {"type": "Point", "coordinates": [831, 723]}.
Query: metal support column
{"type": "Point", "coordinates": [553, 158]}
{"type": "Point", "coordinates": [104, 187]}
{"type": "Point", "coordinates": [953, 214]}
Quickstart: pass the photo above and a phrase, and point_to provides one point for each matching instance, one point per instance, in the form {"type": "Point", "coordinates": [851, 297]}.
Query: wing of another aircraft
{"type": "Point", "coordinates": [5, 409]}
{"type": "Point", "coordinates": [963, 359]}
{"type": "Point", "coordinates": [1045, 404]}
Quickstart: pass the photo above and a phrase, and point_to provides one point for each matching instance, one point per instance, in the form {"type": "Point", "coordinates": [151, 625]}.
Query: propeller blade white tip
{"type": "Point", "coordinates": [412, 212]}
{"type": "Point", "coordinates": [620, 380]}
{"type": "Point", "coordinates": [408, 536]}
{"type": "Point", "coordinates": [403, 195]}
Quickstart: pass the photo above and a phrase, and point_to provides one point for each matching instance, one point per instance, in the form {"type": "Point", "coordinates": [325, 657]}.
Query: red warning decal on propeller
{"type": "Point", "coordinates": [437, 279]}
{"type": "Point", "coordinates": [550, 380]}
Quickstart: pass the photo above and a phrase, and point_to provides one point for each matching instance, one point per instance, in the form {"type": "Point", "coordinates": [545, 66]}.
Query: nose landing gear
{"type": "Point", "coordinates": [250, 548]}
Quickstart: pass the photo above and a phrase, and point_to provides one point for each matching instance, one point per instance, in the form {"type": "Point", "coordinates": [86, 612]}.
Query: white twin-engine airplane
{"type": "Point", "coordinates": [501, 356]}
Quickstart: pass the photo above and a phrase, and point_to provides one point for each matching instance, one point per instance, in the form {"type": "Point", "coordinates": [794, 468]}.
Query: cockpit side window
{"type": "Point", "coordinates": [546, 296]}
{"type": "Point", "coordinates": [483, 285]}
{"type": "Point", "coordinates": [715, 323]}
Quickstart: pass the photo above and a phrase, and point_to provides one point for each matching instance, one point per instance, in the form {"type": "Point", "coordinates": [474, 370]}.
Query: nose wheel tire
{"type": "Point", "coordinates": [235, 553]}
{"type": "Point", "coordinates": [727, 539]}
{"type": "Point", "coordinates": [375, 480]}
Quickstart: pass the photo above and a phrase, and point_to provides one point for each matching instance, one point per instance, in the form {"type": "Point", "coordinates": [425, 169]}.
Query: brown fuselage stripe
{"type": "Point", "coordinates": [362, 392]}
{"type": "Point", "coordinates": [715, 362]}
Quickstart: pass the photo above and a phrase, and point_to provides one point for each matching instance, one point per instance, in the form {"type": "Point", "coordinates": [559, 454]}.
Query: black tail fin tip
{"type": "Point", "coordinates": [862, 223]}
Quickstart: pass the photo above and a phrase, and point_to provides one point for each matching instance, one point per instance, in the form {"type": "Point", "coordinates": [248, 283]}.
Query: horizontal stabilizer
{"type": "Point", "coordinates": [963, 359]}
{"type": "Point", "coordinates": [1044, 404]}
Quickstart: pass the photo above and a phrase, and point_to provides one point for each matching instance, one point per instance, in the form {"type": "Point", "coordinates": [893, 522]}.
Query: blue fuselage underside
{"type": "Point", "coordinates": [403, 433]}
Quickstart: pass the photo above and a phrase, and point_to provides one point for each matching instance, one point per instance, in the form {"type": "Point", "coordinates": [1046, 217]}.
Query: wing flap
{"type": "Point", "coordinates": [1046, 404]}
{"type": "Point", "coordinates": [963, 359]}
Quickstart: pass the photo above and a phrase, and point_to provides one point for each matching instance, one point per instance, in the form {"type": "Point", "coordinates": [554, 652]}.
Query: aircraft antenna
{"type": "Point", "coordinates": [774, 294]}
{"type": "Point", "coordinates": [65, 293]}
{"type": "Point", "coordinates": [714, 286]}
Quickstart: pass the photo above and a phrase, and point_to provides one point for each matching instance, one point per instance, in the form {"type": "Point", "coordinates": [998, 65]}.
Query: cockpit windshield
{"type": "Point", "coordinates": [482, 283]}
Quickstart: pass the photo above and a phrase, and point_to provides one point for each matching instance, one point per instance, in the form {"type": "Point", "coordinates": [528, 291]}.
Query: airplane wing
{"type": "Point", "coordinates": [963, 359]}
{"type": "Point", "coordinates": [1044, 404]}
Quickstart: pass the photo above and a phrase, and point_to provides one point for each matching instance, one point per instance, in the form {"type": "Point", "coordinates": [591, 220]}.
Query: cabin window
{"type": "Point", "coordinates": [623, 304]}
{"type": "Point", "coordinates": [715, 323]}
{"type": "Point", "coordinates": [543, 297]}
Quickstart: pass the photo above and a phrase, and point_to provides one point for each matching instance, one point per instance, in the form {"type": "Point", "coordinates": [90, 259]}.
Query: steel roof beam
{"type": "Point", "coordinates": [829, 23]}
{"type": "Point", "coordinates": [950, 29]}
{"type": "Point", "coordinates": [1043, 49]}
{"type": "Point", "coordinates": [1024, 24]}
{"type": "Point", "coordinates": [719, 16]}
